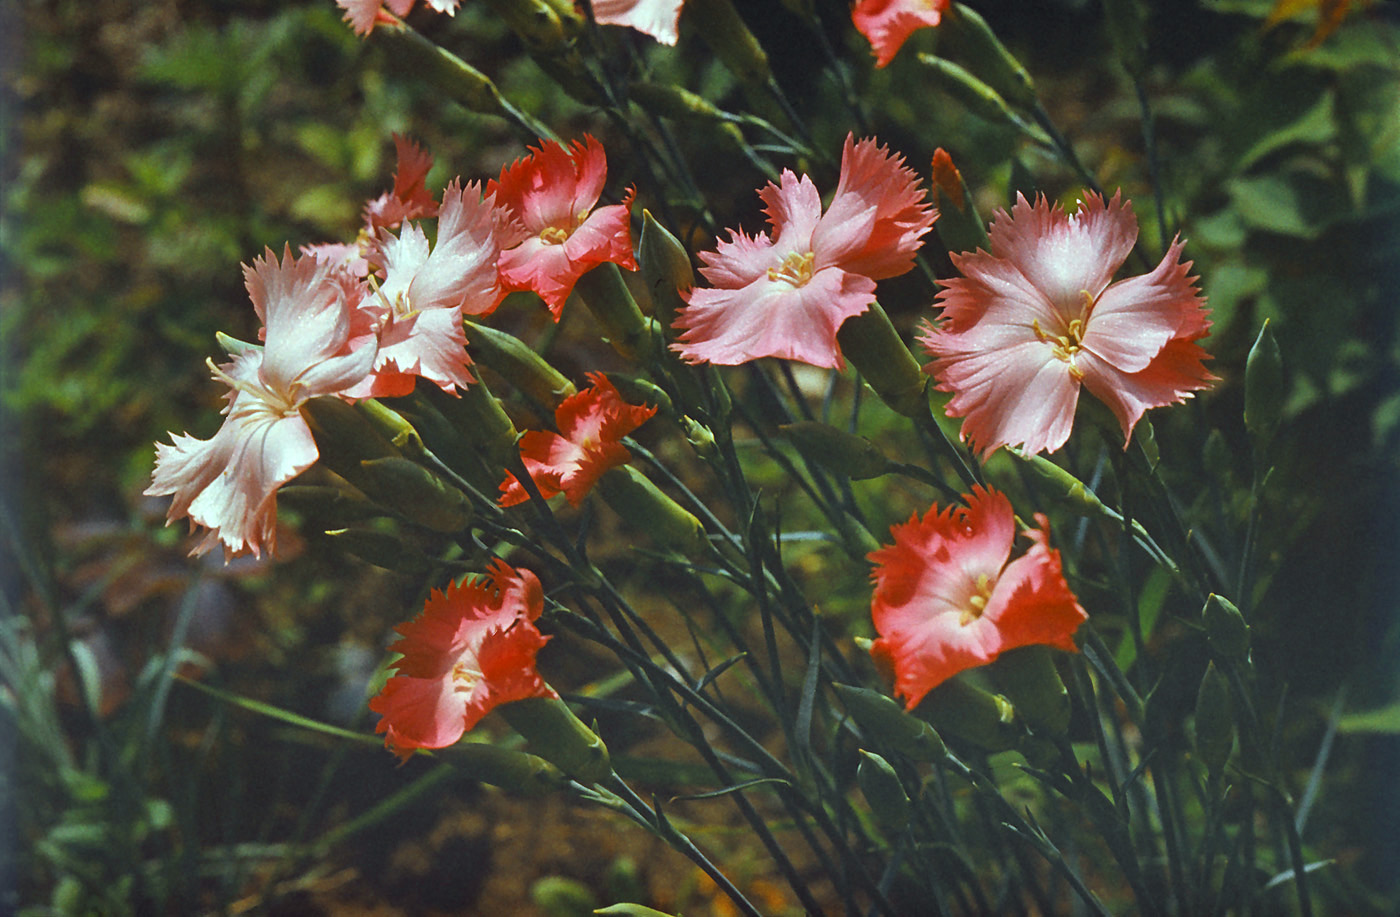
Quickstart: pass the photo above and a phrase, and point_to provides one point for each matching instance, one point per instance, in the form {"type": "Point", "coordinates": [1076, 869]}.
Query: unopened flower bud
{"type": "Point", "coordinates": [535, 21]}
{"type": "Point", "coordinates": [636, 499]}
{"type": "Point", "coordinates": [415, 493]}
{"type": "Point", "coordinates": [559, 737]}
{"type": "Point", "coordinates": [979, 46]}
{"type": "Point", "coordinates": [836, 450]}
{"type": "Point", "coordinates": [885, 719]}
{"type": "Point", "coordinates": [605, 293]}
{"type": "Point", "coordinates": [636, 390]}
{"type": "Point", "coordinates": [380, 549]}
{"type": "Point", "coordinates": [330, 507]}
{"type": "Point", "coordinates": [1028, 677]}
{"type": "Point", "coordinates": [511, 770]}
{"type": "Point", "coordinates": [1226, 630]}
{"type": "Point", "coordinates": [666, 270]}
{"type": "Point", "coordinates": [874, 347]}
{"type": "Point", "coordinates": [436, 66]}
{"type": "Point", "coordinates": [966, 711]}
{"type": "Point", "coordinates": [883, 790]}
{"type": "Point", "coordinates": [1061, 485]}
{"type": "Point", "coordinates": [344, 437]}
{"type": "Point", "coordinates": [392, 425]}
{"type": "Point", "coordinates": [477, 415]}
{"type": "Point", "coordinates": [719, 24]}
{"type": "Point", "coordinates": [518, 364]}
{"type": "Point", "coordinates": [1215, 722]}
{"type": "Point", "coordinates": [1263, 389]}
{"type": "Point", "coordinates": [700, 437]}
{"type": "Point", "coordinates": [979, 98]}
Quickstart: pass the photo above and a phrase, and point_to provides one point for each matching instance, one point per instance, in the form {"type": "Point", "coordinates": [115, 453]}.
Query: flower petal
{"type": "Point", "coordinates": [1064, 256]}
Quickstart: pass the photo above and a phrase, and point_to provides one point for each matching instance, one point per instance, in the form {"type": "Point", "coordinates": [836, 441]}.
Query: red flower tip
{"type": "Point", "coordinates": [887, 24]}
{"type": "Point", "coordinates": [946, 599]}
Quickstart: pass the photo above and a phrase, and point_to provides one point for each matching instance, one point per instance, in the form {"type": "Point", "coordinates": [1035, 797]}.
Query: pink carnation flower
{"type": "Point", "coordinates": [887, 24]}
{"type": "Point", "coordinates": [426, 290]}
{"type": "Point", "coordinates": [1026, 325]}
{"type": "Point", "coordinates": [658, 18]}
{"type": "Point", "coordinates": [228, 484]}
{"type": "Point", "coordinates": [946, 599]}
{"type": "Point", "coordinates": [554, 233]}
{"type": "Point", "coordinates": [472, 649]}
{"type": "Point", "coordinates": [591, 425]}
{"type": "Point", "coordinates": [786, 295]}
{"type": "Point", "coordinates": [409, 199]}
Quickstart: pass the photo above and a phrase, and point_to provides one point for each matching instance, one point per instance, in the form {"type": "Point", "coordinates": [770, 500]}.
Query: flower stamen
{"type": "Point", "coordinates": [553, 235]}
{"type": "Point", "coordinates": [977, 603]}
{"type": "Point", "coordinates": [796, 269]}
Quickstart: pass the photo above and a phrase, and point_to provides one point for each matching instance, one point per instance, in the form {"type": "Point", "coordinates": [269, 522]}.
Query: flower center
{"type": "Point", "coordinates": [1066, 347]}
{"type": "Point", "coordinates": [977, 603]}
{"type": "Point", "coordinates": [285, 404]}
{"type": "Point", "coordinates": [554, 235]}
{"type": "Point", "coordinates": [465, 674]}
{"type": "Point", "coordinates": [796, 269]}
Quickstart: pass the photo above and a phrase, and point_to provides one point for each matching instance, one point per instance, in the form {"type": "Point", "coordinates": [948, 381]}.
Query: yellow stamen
{"type": "Point", "coordinates": [796, 269]}
{"type": "Point", "coordinates": [977, 602]}
{"type": "Point", "coordinates": [553, 235]}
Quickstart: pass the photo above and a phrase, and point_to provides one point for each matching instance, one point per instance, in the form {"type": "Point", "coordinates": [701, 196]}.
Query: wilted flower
{"type": "Point", "coordinates": [591, 424]}
{"type": "Point", "coordinates": [887, 24]}
{"type": "Point", "coordinates": [553, 234]}
{"type": "Point", "coordinates": [426, 291]}
{"type": "Point", "coordinates": [787, 295]}
{"type": "Point", "coordinates": [946, 599]}
{"type": "Point", "coordinates": [1027, 324]}
{"type": "Point", "coordinates": [657, 18]}
{"type": "Point", "coordinates": [228, 484]}
{"type": "Point", "coordinates": [472, 649]}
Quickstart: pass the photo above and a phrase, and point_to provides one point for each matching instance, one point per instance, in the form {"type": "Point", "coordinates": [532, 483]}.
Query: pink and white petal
{"type": "Point", "coordinates": [590, 167]}
{"type": "Point", "coordinates": [658, 18]}
{"type": "Point", "coordinates": [939, 649]}
{"type": "Point", "coordinates": [1171, 378]}
{"type": "Point", "coordinates": [461, 271]}
{"type": "Point", "coordinates": [402, 257]}
{"type": "Point", "coordinates": [542, 267]}
{"type": "Point", "coordinates": [994, 296]}
{"type": "Point", "coordinates": [739, 261]}
{"type": "Point", "coordinates": [430, 344]}
{"type": "Point", "coordinates": [264, 450]}
{"type": "Point", "coordinates": [793, 209]}
{"type": "Point", "coordinates": [1134, 318]}
{"type": "Point", "coordinates": [881, 244]}
{"type": "Point", "coordinates": [1064, 256]}
{"type": "Point", "coordinates": [1021, 396]}
{"type": "Point", "coordinates": [445, 6]}
{"type": "Point", "coordinates": [361, 14]}
{"type": "Point", "coordinates": [771, 318]}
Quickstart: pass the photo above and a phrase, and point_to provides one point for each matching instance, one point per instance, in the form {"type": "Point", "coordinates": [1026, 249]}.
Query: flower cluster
{"type": "Point", "coordinates": [472, 649]}
{"type": "Point", "coordinates": [368, 319]}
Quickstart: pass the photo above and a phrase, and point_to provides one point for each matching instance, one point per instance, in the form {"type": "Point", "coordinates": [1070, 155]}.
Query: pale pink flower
{"type": "Point", "coordinates": [786, 295]}
{"type": "Point", "coordinates": [228, 484]}
{"type": "Point", "coordinates": [426, 290]}
{"type": "Point", "coordinates": [658, 18]}
{"type": "Point", "coordinates": [553, 232]}
{"type": "Point", "coordinates": [887, 24]}
{"type": "Point", "coordinates": [1029, 323]}
{"type": "Point", "coordinates": [946, 599]}
{"type": "Point", "coordinates": [409, 199]}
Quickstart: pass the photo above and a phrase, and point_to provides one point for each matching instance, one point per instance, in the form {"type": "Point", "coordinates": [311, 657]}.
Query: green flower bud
{"type": "Point", "coordinates": [477, 417]}
{"type": "Point", "coordinates": [518, 364]}
{"type": "Point", "coordinates": [836, 450]}
{"type": "Point", "coordinates": [983, 51]}
{"type": "Point", "coordinates": [884, 718]}
{"type": "Point", "coordinates": [959, 226]}
{"type": "Point", "coordinates": [719, 24]}
{"type": "Point", "coordinates": [535, 21]}
{"type": "Point", "coordinates": [666, 270]}
{"type": "Point", "coordinates": [559, 737]}
{"type": "Point", "coordinates": [605, 293]}
{"type": "Point", "coordinates": [380, 549]}
{"type": "Point", "coordinates": [966, 711]}
{"type": "Point", "coordinates": [435, 66]}
{"type": "Point", "coordinates": [560, 896]}
{"type": "Point", "coordinates": [889, 803]}
{"type": "Point", "coordinates": [344, 437]}
{"type": "Point", "coordinates": [1215, 722]}
{"type": "Point", "coordinates": [391, 425]}
{"type": "Point", "coordinates": [1226, 630]}
{"type": "Point", "coordinates": [1028, 677]}
{"type": "Point", "coordinates": [513, 771]}
{"type": "Point", "coordinates": [979, 98]}
{"type": "Point", "coordinates": [330, 507]}
{"type": "Point", "coordinates": [874, 347]}
{"type": "Point", "coordinates": [1063, 486]}
{"type": "Point", "coordinates": [636, 499]}
{"type": "Point", "coordinates": [668, 100]}
{"type": "Point", "coordinates": [700, 437]}
{"type": "Point", "coordinates": [461, 442]}
{"type": "Point", "coordinates": [1263, 389]}
{"type": "Point", "coordinates": [636, 390]}
{"type": "Point", "coordinates": [415, 493]}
